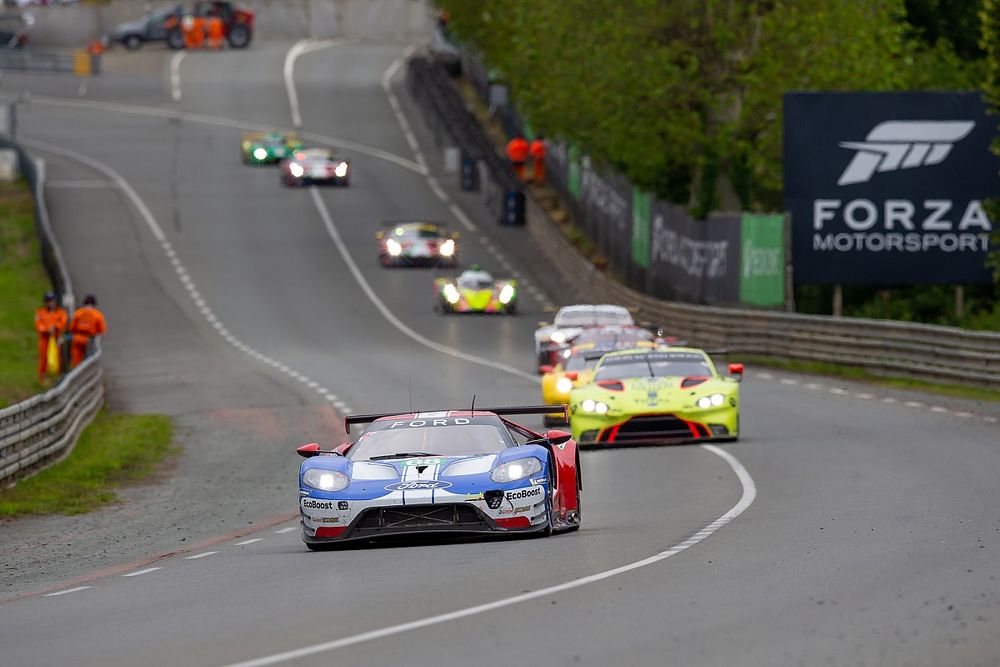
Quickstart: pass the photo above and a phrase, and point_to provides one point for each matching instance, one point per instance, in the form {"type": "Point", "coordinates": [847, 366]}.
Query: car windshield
{"type": "Point", "coordinates": [590, 317]}
{"type": "Point", "coordinates": [417, 232]}
{"type": "Point", "coordinates": [614, 336]}
{"type": "Point", "coordinates": [580, 362]}
{"type": "Point", "coordinates": [432, 436]}
{"type": "Point", "coordinates": [475, 280]}
{"type": "Point", "coordinates": [654, 364]}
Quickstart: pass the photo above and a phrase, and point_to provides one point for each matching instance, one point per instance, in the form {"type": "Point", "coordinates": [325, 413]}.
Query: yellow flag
{"type": "Point", "coordinates": [53, 359]}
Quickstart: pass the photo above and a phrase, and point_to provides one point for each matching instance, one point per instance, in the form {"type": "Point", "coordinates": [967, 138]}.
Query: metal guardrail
{"type": "Point", "coordinates": [899, 349]}
{"type": "Point", "coordinates": [44, 429]}
{"type": "Point", "coordinates": [75, 62]}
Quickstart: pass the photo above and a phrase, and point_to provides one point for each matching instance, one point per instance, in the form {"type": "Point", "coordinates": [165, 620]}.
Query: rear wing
{"type": "Point", "coordinates": [412, 221]}
{"type": "Point", "coordinates": [500, 412]}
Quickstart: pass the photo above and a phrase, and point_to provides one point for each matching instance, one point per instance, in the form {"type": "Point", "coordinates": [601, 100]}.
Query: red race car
{"type": "Point", "coordinates": [310, 166]}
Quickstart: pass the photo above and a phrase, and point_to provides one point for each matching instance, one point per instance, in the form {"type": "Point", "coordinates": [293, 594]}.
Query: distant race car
{"type": "Point", "coordinates": [576, 365]}
{"type": "Point", "coordinates": [440, 472]}
{"type": "Point", "coordinates": [656, 396]}
{"type": "Point", "coordinates": [268, 147]}
{"type": "Point", "coordinates": [310, 166]}
{"type": "Point", "coordinates": [414, 243]}
{"type": "Point", "coordinates": [475, 291]}
{"type": "Point", "coordinates": [569, 322]}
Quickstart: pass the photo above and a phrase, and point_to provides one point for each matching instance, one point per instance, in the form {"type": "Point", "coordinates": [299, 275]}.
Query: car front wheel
{"type": "Point", "coordinates": [132, 42]}
{"type": "Point", "coordinates": [239, 36]}
{"type": "Point", "coordinates": [175, 39]}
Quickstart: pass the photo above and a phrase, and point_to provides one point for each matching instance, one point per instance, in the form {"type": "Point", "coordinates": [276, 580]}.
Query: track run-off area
{"type": "Point", "coordinates": [849, 525]}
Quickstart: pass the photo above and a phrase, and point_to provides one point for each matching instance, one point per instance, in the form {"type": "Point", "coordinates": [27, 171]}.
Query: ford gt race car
{"type": "Point", "coordinates": [417, 244]}
{"type": "Point", "coordinates": [569, 322]}
{"type": "Point", "coordinates": [268, 147]}
{"type": "Point", "coordinates": [475, 291]}
{"type": "Point", "coordinates": [656, 396]}
{"type": "Point", "coordinates": [449, 471]}
{"type": "Point", "coordinates": [315, 166]}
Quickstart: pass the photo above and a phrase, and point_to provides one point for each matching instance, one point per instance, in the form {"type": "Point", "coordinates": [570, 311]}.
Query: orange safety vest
{"type": "Point", "coordinates": [46, 319]}
{"type": "Point", "coordinates": [88, 321]}
{"type": "Point", "coordinates": [538, 149]}
{"type": "Point", "coordinates": [517, 149]}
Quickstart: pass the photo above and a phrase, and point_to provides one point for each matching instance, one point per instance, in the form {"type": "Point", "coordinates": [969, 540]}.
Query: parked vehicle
{"type": "Point", "coordinates": [150, 28]}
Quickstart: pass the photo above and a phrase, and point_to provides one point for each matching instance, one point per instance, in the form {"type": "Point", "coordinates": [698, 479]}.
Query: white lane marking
{"type": "Point", "coordinates": [864, 395]}
{"type": "Point", "coordinates": [201, 555]}
{"type": "Point", "coordinates": [838, 391]}
{"type": "Point", "coordinates": [964, 415]}
{"type": "Point", "coordinates": [68, 590]}
{"type": "Point", "coordinates": [282, 531]}
{"type": "Point", "coordinates": [765, 376]}
{"type": "Point", "coordinates": [938, 409]}
{"type": "Point", "coordinates": [745, 501]}
{"type": "Point", "coordinates": [157, 231]}
{"type": "Point", "coordinates": [139, 573]}
{"type": "Point", "coordinates": [388, 314]}
{"type": "Point", "coordinates": [789, 381]}
{"type": "Point", "coordinates": [175, 75]}
{"type": "Point", "coordinates": [889, 399]}
{"type": "Point", "coordinates": [913, 404]}
{"type": "Point", "coordinates": [299, 48]}
{"type": "Point", "coordinates": [991, 420]}
{"type": "Point", "coordinates": [82, 90]}
{"type": "Point", "coordinates": [221, 121]}
{"type": "Point", "coordinates": [814, 386]}
{"type": "Point", "coordinates": [246, 542]}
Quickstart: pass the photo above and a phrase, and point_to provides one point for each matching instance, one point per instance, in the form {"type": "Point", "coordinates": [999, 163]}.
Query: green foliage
{"type": "Point", "coordinates": [22, 284]}
{"type": "Point", "coordinates": [114, 450]}
{"type": "Point", "coordinates": [955, 22]}
{"type": "Point", "coordinates": [989, 16]}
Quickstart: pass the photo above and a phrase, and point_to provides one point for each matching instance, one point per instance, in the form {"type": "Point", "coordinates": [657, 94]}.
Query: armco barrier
{"type": "Point", "coordinates": [900, 349]}
{"type": "Point", "coordinates": [75, 62]}
{"type": "Point", "coordinates": [43, 429]}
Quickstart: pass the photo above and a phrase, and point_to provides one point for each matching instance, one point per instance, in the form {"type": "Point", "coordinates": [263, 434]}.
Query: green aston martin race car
{"type": "Point", "coordinates": [640, 397]}
{"type": "Point", "coordinates": [268, 147]}
{"type": "Point", "coordinates": [475, 291]}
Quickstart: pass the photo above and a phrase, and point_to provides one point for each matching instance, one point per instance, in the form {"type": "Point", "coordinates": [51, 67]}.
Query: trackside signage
{"type": "Point", "coordinates": [889, 188]}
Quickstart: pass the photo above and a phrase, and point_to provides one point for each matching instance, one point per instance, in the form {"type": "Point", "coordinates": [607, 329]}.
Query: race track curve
{"type": "Point", "coordinates": [872, 540]}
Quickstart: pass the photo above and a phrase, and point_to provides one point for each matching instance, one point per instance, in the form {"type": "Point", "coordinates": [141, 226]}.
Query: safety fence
{"type": "Point", "coordinates": [43, 429]}
{"type": "Point", "coordinates": [899, 349]}
{"type": "Point", "coordinates": [81, 63]}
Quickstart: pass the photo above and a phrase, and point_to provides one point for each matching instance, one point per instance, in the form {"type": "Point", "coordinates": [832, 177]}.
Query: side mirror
{"type": "Point", "coordinates": [545, 368]}
{"type": "Point", "coordinates": [557, 437]}
{"type": "Point", "coordinates": [736, 370]}
{"type": "Point", "coordinates": [572, 375]}
{"type": "Point", "coordinates": [542, 324]}
{"type": "Point", "coordinates": [308, 451]}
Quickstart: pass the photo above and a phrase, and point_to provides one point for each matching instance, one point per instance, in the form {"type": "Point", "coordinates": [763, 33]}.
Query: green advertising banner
{"type": "Point", "coordinates": [573, 171]}
{"type": "Point", "coordinates": [762, 260]}
{"type": "Point", "coordinates": [641, 204]}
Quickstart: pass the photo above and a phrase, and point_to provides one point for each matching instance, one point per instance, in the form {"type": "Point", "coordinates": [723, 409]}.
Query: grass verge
{"type": "Point", "coordinates": [115, 449]}
{"type": "Point", "coordinates": [22, 284]}
{"type": "Point", "coordinates": [862, 375]}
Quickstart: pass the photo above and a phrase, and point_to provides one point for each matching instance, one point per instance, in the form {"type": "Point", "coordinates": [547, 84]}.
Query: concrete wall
{"type": "Point", "coordinates": [392, 20]}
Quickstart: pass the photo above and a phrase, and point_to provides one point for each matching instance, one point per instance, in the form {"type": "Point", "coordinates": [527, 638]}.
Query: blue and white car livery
{"type": "Point", "coordinates": [440, 472]}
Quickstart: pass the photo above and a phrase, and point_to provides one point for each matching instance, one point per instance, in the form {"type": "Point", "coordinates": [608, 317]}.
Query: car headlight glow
{"type": "Point", "coordinates": [340, 170]}
{"type": "Point", "coordinates": [515, 470]}
{"type": "Point", "coordinates": [706, 402]}
{"type": "Point", "coordinates": [451, 294]}
{"type": "Point", "coordinates": [447, 248]}
{"type": "Point", "coordinates": [325, 480]}
{"type": "Point", "coordinates": [601, 408]}
{"type": "Point", "coordinates": [506, 294]}
{"type": "Point", "coordinates": [393, 247]}
{"type": "Point", "coordinates": [296, 170]}
{"type": "Point", "coordinates": [588, 405]}
{"type": "Point", "coordinates": [564, 385]}
{"type": "Point", "coordinates": [558, 337]}
{"type": "Point", "coordinates": [260, 153]}
{"type": "Point", "coordinates": [567, 354]}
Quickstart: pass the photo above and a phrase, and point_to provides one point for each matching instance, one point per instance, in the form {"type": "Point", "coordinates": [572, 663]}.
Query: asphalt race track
{"type": "Point", "coordinates": [851, 528]}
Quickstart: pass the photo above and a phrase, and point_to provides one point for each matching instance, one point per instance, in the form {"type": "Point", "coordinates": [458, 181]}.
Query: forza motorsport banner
{"type": "Point", "coordinates": [888, 188]}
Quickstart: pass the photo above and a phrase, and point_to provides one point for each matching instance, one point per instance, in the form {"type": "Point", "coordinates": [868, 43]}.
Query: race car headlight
{"type": "Point", "coordinates": [567, 354]}
{"type": "Point", "coordinates": [506, 294]}
{"type": "Point", "coordinates": [558, 337]}
{"type": "Point", "coordinates": [451, 294]}
{"type": "Point", "coordinates": [588, 405]}
{"type": "Point", "coordinates": [296, 170]}
{"type": "Point", "coordinates": [601, 408]}
{"type": "Point", "coordinates": [564, 385]}
{"type": "Point", "coordinates": [325, 480]}
{"type": "Point", "coordinates": [515, 470]}
{"type": "Point", "coordinates": [260, 153]}
{"type": "Point", "coordinates": [448, 248]}
{"type": "Point", "coordinates": [715, 400]}
{"type": "Point", "coordinates": [393, 247]}
{"type": "Point", "coordinates": [340, 170]}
